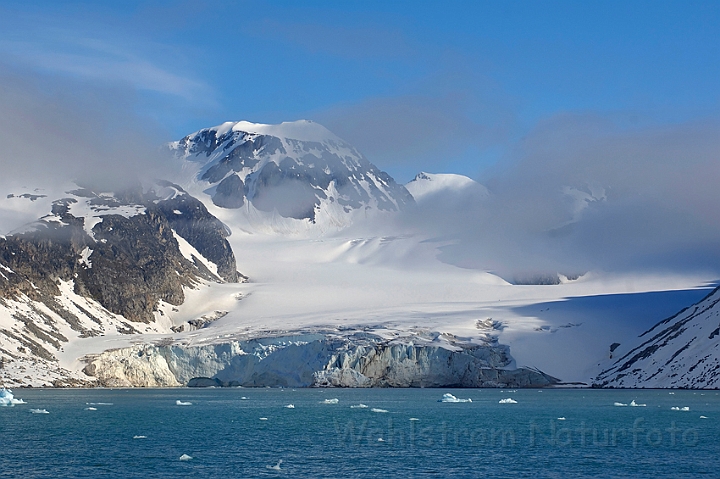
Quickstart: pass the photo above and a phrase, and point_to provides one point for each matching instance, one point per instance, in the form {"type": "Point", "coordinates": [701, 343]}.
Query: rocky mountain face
{"type": "Point", "coordinates": [682, 351]}
{"type": "Point", "coordinates": [314, 360]}
{"type": "Point", "coordinates": [299, 170]}
{"type": "Point", "coordinates": [101, 262]}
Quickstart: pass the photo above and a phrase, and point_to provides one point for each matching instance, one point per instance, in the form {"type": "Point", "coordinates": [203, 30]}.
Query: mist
{"type": "Point", "coordinates": [586, 192]}
{"type": "Point", "coordinates": [54, 130]}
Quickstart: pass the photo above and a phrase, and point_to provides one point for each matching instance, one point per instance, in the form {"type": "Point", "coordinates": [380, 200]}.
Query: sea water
{"type": "Point", "coordinates": [366, 433]}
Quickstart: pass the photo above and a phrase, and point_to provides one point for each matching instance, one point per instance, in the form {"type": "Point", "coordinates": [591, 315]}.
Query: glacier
{"type": "Point", "coordinates": [314, 360]}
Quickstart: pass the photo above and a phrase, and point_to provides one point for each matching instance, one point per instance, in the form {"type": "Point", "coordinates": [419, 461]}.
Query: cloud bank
{"type": "Point", "coordinates": [581, 192]}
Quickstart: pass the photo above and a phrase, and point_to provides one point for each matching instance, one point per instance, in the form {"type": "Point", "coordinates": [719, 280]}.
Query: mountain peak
{"type": "Point", "coordinates": [429, 184]}
{"type": "Point", "coordinates": [296, 170]}
{"type": "Point", "coordinates": [303, 130]}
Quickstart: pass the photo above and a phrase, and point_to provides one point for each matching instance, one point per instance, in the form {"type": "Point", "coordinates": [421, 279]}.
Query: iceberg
{"type": "Point", "coordinates": [290, 406]}
{"type": "Point", "coordinates": [39, 411]}
{"type": "Point", "coordinates": [183, 403]}
{"type": "Point", "coordinates": [619, 404]}
{"type": "Point", "coordinates": [507, 401]}
{"type": "Point", "coordinates": [185, 457]}
{"type": "Point", "coordinates": [330, 401]}
{"type": "Point", "coordinates": [276, 467]}
{"type": "Point", "coordinates": [378, 410]}
{"type": "Point", "coordinates": [447, 397]}
{"type": "Point", "coordinates": [7, 398]}
{"type": "Point", "coordinates": [675, 408]}
{"type": "Point", "coordinates": [359, 406]}
{"type": "Point", "coordinates": [634, 404]}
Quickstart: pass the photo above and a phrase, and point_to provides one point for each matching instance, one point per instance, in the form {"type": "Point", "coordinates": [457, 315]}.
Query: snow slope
{"type": "Point", "coordinates": [682, 351]}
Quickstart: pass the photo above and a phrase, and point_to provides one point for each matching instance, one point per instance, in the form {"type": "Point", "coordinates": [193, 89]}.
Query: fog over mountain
{"type": "Point", "coordinates": [579, 192]}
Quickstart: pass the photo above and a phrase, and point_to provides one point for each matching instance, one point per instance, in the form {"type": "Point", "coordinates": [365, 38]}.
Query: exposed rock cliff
{"type": "Point", "coordinates": [357, 360]}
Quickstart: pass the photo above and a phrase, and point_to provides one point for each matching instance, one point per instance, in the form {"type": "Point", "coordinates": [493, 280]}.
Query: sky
{"type": "Point", "coordinates": [594, 122]}
{"type": "Point", "coordinates": [416, 85]}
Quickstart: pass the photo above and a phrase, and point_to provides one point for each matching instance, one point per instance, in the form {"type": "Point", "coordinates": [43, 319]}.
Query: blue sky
{"type": "Point", "coordinates": [434, 86]}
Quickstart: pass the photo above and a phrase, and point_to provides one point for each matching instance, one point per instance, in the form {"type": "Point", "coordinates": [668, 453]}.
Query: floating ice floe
{"type": "Point", "coordinates": [359, 406]}
{"type": "Point", "coordinates": [263, 419]}
{"type": "Point", "coordinates": [447, 397]}
{"type": "Point", "coordinates": [243, 398]}
{"type": "Point", "coordinates": [330, 401]}
{"type": "Point", "coordinates": [7, 398]}
{"type": "Point", "coordinates": [414, 419]}
{"type": "Point", "coordinates": [139, 437]}
{"type": "Point", "coordinates": [40, 411]}
{"type": "Point", "coordinates": [703, 417]}
{"type": "Point", "coordinates": [675, 408]}
{"type": "Point", "coordinates": [91, 408]}
{"type": "Point", "coordinates": [276, 467]}
{"type": "Point", "coordinates": [619, 404]}
{"type": "Point", "coordinates": [561, 419]}
{"type": "Point", "coordinates": [98, 404]}
{"type": "Point", "coordinates": [378, 410]}
{"type": "Point", "coordinates": [381, 439]}
{"type": "Point", "coordinates": [634, 404]}
{"type": "Point", "coordinates": [290, 406]}
{"type": "Point", "coordinates": [185, 457]}
{"type": "Point", "coordinates": [507, 401]}
{"type": "Point", "coordinates": [183, 403]}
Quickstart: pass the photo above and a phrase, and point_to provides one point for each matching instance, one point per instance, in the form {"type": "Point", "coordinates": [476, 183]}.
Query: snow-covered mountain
{"type": "Point", "coordinates": [293, 175]}
{"type": "Point", "coordinates": [102, 263]}
{"type": "Point", "coordinates": [682, 351]}
{"type": "Point", "coordinates": [138, 287]}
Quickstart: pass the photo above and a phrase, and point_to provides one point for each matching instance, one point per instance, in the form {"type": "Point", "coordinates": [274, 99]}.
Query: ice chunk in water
{"type": "Point", "coordinates": [290, 406]}
{"type": "Point", "coordinates": [507, 401]}
{"type": "Point", "coordinates": [183, 403]}
{"type": "Point", "coordinates": [7, 398]}
{"type": "Point", "coordinates": [185, 457]}
{"type": "Point", "coordinates": [634, 404]}
{"type": "Point", "coordinates": [447, 397]}
{"type": "Point", "coordinates": [276, 467]}
{"type": "Point", "coordinates": [619, 404]}
{"type": "Point", "coordinates": [359, 406]}
{"type": "Point", "coordinates": [330, 401]}
{"type": "Point", "coordinates": [39, 411]}
{"type": "Point", "coordinates": [378, 410]}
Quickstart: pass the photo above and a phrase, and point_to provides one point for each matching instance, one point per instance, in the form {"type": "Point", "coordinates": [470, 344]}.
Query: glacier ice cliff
{"type": "Point", "coordinates": [313, 360]}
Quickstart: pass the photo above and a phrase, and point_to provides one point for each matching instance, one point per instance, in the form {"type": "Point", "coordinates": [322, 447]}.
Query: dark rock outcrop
{"type": "Point", "coordinates": [126, 262]}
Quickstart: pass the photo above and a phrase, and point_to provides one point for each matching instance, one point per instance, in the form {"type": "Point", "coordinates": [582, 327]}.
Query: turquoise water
{"type": "Point", "coordinates": [225, 436]}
